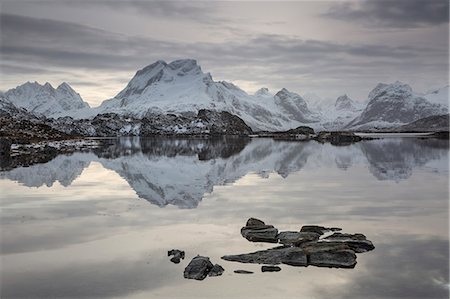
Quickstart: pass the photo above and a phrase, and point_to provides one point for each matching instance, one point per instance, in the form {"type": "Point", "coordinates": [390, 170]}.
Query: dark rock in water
{"type": "Point", "coordinates": [243, 272]}
{"type": "Point", "coordinates": [216, 270]}
{"type": "Point", "coordinates": [338, 138]}
{"type": "Point", "coordinates": [198, 268]}
{"type": "Point", "coordinates": [257, 231]}
{"type": "Point", "coordinates": [270, 269]}
{"type": "Point", "coordinates": [357, 242]}
{"type": "Point", "coordinates": [177, 255]}
{"type": "Point", "coordinates": [297, 238]}
{"type": "Point", "coordinates": [318, 229]}
{"type": "Point", "coordinates": [334, 259]}
{"type": "Point", "coordinates": [280, 255]}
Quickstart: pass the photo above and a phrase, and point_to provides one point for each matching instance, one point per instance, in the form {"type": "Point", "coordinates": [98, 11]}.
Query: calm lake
{"type": "Point", "coordinates": [99, 224]}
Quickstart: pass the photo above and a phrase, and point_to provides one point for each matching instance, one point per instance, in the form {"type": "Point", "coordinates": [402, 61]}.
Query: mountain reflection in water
{"type": "Point", "coordinates": [181, 171]}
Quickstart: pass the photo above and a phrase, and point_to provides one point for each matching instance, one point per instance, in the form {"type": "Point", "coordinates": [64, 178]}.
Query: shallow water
{"type": "Point", "coordinates": [99, 224]}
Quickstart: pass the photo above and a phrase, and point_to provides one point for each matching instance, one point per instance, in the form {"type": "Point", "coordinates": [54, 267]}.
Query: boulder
{"type": "Point", "coordinates": [177, 255]}
{"type": "Point", "coordinates": [297, 238]}
{"type": "Point", "coordinates": [198, 268]}
{"type": "Point", "coordinates": [256, 230]}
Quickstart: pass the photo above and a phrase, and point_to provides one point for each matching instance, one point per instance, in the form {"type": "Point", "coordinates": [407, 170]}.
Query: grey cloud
{"type": "Point", "coordinates": [392, 13]}
{"type": "Point", "coordinates": [281, 61]}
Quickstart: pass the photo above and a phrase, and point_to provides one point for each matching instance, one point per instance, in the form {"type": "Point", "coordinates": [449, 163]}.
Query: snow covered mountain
{"type": "Point", "coordinates": [181, 87]}
{"type": "Point", "coordinates": [392, 105]}
{"type": "Point", "coordinates": [46, 100]}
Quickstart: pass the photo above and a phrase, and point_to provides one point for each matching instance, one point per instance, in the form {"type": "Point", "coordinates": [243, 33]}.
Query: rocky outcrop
{"type": "Point", "coordinates": [306, 248]}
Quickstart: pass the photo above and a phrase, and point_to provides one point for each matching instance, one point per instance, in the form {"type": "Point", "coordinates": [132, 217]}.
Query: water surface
{"type": "Point", "coordinates": [99, 224]}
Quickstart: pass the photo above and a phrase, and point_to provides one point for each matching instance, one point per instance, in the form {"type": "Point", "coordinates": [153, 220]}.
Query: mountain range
{"type": "Point", "coordinates": [181, 88]}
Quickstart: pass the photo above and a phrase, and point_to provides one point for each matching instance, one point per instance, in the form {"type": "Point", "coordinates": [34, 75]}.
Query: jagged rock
{"type": "Point", "coordinates": [280, 255]}
{"type": "Point", "coordinates": [243, 272]}
{"type": "Point", "coordinates": [270, 269]}
{"type": "Point", "coordinates": [257, 231]}
{"type": "Point", "coordinates": [198, 268]}
{"type": "Point", "coordinates": [318, 229]}
{"type": "Point", "coordinates": [356, 242]}
{"type": "Point", "coordinates": [177, 255]}
{"type": "Point", "coordinates": [216, 270]}
{"type": "Point", "coordinates": [297, 238]}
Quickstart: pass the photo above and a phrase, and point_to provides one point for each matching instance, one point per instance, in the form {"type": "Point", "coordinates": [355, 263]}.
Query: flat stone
{"type": "Point", "coordinates": [216, 270]}
{"type": "Point", "coordinates": [177, 255]}
{"type": "Point", "coordinates": [297, 238]}
{"type": "Point", "coordinates": [265, 233]}
{"type": "Point", "coordinates": [270, 269]}
{"type": "Point", "coordinates": [333, 259]}
{"type": "Point", "coordinates": [198, 268]}
{"type": "Point", "coordinates": [357, 242]}
{"type": "Point", "coordinates": [281, 255]}
{"type": "Point", "coordinates": [318, 229]}
{"type": "Point", "coordinates": [243, 272]}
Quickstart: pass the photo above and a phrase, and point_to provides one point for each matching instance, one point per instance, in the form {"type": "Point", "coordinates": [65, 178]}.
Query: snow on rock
{"type": "Point", "coordinates": [394, 105]}
{"type": "Point", "coordinates": [439, 96]}
{"type": "Point", "coordinates": [44, 100]}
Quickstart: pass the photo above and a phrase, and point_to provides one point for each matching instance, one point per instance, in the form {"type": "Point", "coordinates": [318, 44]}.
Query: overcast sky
{"type": "Point", "coordinates": [328, 48]}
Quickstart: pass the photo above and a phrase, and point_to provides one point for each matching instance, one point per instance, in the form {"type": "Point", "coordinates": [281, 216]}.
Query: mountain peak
{"type": "Point", "coordinates": [262, 92]}
{"type": "Point", "coordinates": [344, 103]}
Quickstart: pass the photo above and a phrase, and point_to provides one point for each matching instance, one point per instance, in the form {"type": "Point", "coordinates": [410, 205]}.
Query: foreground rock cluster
{"type": "Point", "coordinates": [307, 247]}
{"type": "Point", "coordinates": [312, 245]}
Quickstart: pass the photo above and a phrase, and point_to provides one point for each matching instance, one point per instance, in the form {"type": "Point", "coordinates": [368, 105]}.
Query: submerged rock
{"type": "Point", "coordinates": [198, 268]}
{"type": "Point", "coordinates": [357, 242]}
{"type": "Point", "coordinates": [177, 255]}
{"type": "Point", "coordinates": [280, 255]}
{"type": "Point", "coordinates": [270, 269]}
{"type": "Point", "coordinates": [216, 270]}
{"type": "Point", "coordinates": [297, 238]}
{"type": "Point", "coordinates": [257, 231]}
{"type": "Point", "coordinates": [243, 272]}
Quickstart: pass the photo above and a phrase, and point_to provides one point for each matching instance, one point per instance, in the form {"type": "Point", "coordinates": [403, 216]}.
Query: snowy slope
{"type": "Point", "coordinates": [182, 87]}
{"type": "Point", "coordinates": [46, 100]}
{"type": "Point", "coordinates": [393, 105]}
{"type": "Point", "coordinates": [439, 96]}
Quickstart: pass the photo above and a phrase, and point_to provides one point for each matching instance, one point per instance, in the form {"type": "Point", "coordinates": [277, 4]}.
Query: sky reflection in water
{"type": "Point", "coordinates": [73, 227]}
